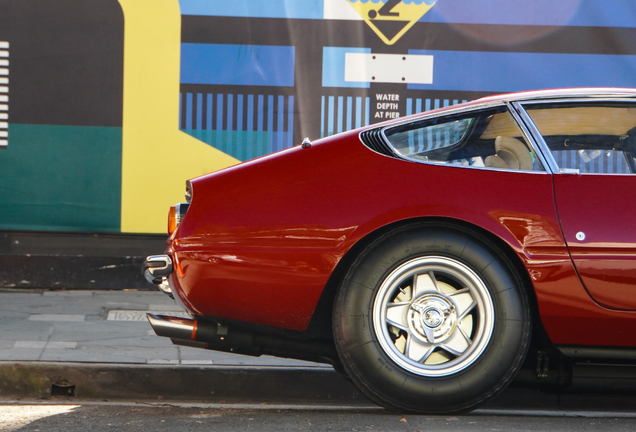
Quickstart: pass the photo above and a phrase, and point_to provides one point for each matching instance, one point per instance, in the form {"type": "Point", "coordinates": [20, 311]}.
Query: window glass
{"type": "Point", "coordinates": [598, 138]}
{"type": "Point", "coordinates": [485, 139]}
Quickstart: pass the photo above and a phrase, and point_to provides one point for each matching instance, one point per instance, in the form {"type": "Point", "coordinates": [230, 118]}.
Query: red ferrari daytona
{"type": "Point", "coordinates": [429, 258]}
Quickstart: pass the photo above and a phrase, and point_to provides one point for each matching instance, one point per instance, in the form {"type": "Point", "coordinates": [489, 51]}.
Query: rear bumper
{"type": "Point", "coordinates": [156, 269]}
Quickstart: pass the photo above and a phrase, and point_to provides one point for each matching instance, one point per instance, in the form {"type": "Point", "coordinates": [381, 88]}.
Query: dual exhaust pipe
{"type": "Point", "coordinates": [218, 337]}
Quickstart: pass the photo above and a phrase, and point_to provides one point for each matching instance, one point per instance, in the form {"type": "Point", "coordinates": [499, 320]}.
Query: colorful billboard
{"type": "Point", "coordinates": [107, 107]}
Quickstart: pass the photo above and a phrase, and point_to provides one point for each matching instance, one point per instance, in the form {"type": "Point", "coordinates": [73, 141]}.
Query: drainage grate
{"type": "Point", "coordinates": [138, 315]}
{"type": "Point", "coordinates": [63, 388]}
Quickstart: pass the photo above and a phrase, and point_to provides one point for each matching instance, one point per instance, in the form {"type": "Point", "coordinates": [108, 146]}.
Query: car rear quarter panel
{"type": "Point", "coordinates": [261, 239]}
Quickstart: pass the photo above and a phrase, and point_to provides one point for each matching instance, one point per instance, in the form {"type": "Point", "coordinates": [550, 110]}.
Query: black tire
{"type": "Point", "coordinates": [381, 328]}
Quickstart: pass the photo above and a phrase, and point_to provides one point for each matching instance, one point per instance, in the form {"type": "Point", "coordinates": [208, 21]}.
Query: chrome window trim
{"type": "Point", "coordinates": [565, 99]}
{"type": "Point", "coordinates": [460, 110]}
{"type": "Point", "coordinates": [593, 93]}
{"type": "Point", "coordinates": [595, 99]}
{"type": "Point", "coordinates": [536, 137]}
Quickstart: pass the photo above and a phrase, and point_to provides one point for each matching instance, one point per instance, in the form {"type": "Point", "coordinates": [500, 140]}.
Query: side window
{"type": "Point", "coordinates": [485, 139]}
{"type": "Point", "coordinates": [591, 138]}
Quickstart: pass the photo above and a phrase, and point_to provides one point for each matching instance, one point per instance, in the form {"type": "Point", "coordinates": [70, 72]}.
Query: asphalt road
{"type": "Point", "coordinates": [98, 417]}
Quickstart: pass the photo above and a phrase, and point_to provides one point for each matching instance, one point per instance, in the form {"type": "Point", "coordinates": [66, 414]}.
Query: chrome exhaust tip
{"type": "Point", "coordinates": [173, 327]}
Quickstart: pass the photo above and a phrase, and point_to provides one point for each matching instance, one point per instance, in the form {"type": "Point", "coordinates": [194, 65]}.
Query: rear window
{"type": "Point", "coordinates": [485, 139]}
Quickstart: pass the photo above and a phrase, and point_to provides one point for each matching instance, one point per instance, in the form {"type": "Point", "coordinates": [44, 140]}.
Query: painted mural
{"type": "Point", "coordinates": [107, 107]}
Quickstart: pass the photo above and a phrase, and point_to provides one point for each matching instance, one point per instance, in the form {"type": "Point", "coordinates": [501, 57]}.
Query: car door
{"type": "Point", "coordinates": [593, 145]}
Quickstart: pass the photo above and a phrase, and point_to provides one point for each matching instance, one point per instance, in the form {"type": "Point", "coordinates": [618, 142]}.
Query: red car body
{"type": "Point", "coordinates": [265, 244]}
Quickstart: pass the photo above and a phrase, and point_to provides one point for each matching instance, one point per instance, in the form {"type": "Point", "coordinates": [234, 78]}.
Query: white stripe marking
{"type": "Point", "coordinates": [56, 317]}
{"type": "Point", "coordinates": [45, 344]}
{"type": "Point", "coordinates": [197, 362]}
{"type": "Point", "coordinates": [162, 361]}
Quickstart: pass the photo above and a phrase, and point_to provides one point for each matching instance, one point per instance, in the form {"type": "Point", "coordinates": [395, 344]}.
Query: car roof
{"type": "Point", "coordinates": [592, 92]}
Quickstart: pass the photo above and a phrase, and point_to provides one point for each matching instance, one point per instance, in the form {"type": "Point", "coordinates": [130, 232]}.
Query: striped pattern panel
{"type": "Point", "coordinates": [343, 113]}
{"type": "Point", "coordinates": [592, 161]}
{"type": "Point", "coordinates": [414, 106]}
{"type": "Point", "coordinates": [4, 94]}
{"type": "Point", "coordinates": [244, 126]}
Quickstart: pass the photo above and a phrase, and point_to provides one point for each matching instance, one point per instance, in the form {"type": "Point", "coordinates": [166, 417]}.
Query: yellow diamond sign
{"type": "Point", "coordinates": [390, 19]}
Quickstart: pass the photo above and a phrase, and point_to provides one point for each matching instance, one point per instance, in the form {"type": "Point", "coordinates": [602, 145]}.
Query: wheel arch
{"type": "Point", "coordinates": [320, 325]}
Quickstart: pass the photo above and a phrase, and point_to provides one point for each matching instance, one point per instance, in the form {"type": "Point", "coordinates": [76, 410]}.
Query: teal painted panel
{"type": "Point", "coordinates": [243, 145]}
{"type": "Point", "coordinates": [61, 178]}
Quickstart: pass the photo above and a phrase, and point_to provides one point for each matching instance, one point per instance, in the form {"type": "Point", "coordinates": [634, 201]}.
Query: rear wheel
{"type": "Point", "coordinates": [431, 320]}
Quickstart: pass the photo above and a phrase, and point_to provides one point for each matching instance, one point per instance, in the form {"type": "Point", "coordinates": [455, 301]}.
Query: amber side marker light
{"type": "Point", "coordinates": [176, 215]}
{"type": "Point", "coordinates": [172, 219]}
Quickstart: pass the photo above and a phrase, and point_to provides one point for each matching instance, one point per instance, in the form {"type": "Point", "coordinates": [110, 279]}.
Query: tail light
{"type": "Point", "coordinates": [175, 216]}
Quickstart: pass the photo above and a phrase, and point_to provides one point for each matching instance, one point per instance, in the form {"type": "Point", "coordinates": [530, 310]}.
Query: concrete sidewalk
{"type": "Point", "coordinates": [99, 345]}
{"type": "Point", "coordinates": [103, 327]}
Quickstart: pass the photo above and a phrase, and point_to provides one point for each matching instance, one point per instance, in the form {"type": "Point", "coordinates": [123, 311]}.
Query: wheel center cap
{"type": "Point", "coordinates": [432, 318]}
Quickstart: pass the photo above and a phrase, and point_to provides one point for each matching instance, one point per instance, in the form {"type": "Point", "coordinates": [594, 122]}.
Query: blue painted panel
{"type": "Point", "coordinates": [223, 64]}
{"type": "Point", "coordinates": [340, 113]}
{"type": "Point", "coordinates": [589, 13]}
{"type": "Point", "coordinates": [309, 9]}
{"type": "Point", "coordinates": [208, 116]}
{"type": "Point", "coordinates": [603, 13]}
{"type": "Point", "coordinates": [290, 122]}
{"type": "Point", "coordinates": [199, 111]}
{"type": "Point", "coordinates": [509, 72]}
{"type": "Point", "coordinates": [189, 110]}
{"type": "Point", "coordinates": [333, 67]}
{"type": "Point", "coordinates": [322, 117]}
{"type": "Point", "coordinates": [331, 111]}
{"type": "Point", "coordinates": [280, 121]}
{"type": "Point", "coordinates": [219, 112]}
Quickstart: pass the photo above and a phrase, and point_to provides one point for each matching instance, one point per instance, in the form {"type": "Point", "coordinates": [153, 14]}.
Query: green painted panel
{"type": "Point", "coordinates": [61, 178]}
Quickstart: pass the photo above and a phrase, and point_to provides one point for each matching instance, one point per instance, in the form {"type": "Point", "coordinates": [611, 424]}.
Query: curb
{"type": "Point", "coordinates": [272, 385]}
{"type": "Point", "coordinates": [210, 384]}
